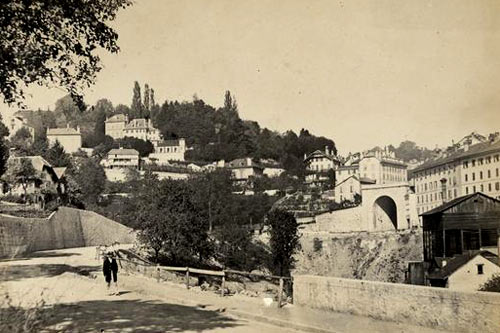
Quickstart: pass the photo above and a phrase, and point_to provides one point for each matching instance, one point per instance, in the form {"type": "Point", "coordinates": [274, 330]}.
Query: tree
{"type": "Point", "coordinates": [284, 241]}
{"type": "Point", "coordinates": [90, 180]}
{"type": "Point", "coordinates": [21, 141]}
{"type": "Point", "coordinates": [136, 106]}
{"type": "Point", "coordinates": [143, 147]}
{"type": "Point", "coordinates": [4, 150]}
{"type": "Point", "coordinates": [54, 43]}
{"type": "Point", "coordinates": [147, 106]}
{"type": "Point", "coordinates": [21, 171]}
{"type": "Point", "coordinates": [57, 157]}
{"type": "Point", "coordinates": [493, 284]}
{"type": "Point", "coordinates": [169, 222]}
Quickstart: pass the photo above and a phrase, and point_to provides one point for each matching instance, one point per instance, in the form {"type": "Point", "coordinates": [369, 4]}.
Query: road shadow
{"type": "Point", "coordinates": [133, 316]}
{"type": "Point", "coordinates": [18, 272]}
{"type": "Point", "coordinates": [51, 254]}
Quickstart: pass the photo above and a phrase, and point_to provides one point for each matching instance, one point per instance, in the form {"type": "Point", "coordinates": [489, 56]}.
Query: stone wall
{"type": "Point", "coordinates": [425, 306]}
{"type": "Point", "coordinates": [344, 220]}
{"type": "Point", "coordinates": [65, 228]}
{"type": "Point", "coordinates": [378, 256]}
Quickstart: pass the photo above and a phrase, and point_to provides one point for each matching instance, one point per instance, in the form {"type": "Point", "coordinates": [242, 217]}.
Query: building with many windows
{"type": "Point", "coordinates": [466, 170]}
{"type": "Point", "coordinates": [169, 150]}
{"type": "Point", "coordinates": [68, 137]}
{"type": "Point", "coordinates": [115, 125]}
{"type": "Point", "coordinates": [121, 158]}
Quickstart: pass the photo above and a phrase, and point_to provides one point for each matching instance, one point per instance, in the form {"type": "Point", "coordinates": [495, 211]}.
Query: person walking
{"type": "Point", "coordinates": [106, 270]}
{"type": "Point", "coordinates": [114, 272]}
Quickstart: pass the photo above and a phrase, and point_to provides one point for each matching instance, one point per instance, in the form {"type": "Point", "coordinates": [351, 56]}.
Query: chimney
{"type": "Point", "coordinates": [78, 129]}
{"type": "Point", "coordinates": [326, 150]}
{"type": "Point", "coordinates": [249, 161]}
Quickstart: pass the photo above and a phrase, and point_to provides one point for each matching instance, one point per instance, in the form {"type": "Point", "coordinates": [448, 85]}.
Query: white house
{"type": "Point", "coordinates": [69, 138]}
{"type": "Point", "coordinates": [466, 272]}
{"type": "Point", "coordinates": [17, 121]}
{"type": "Point", "coordinates": [115, 125]}
{"type": "Point", "coordinates": [121, 158]}
{"type": "Point", "coordinates": [244, 169]}
{"type": "Point", "coordinates": [142, 129]}
{"type": "Point", "coordinates": [169, 150]}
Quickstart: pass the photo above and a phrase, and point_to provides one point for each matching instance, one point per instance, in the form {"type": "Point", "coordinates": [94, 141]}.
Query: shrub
{"type": "Point", "coordinates": [13, 198]}
{"type": "Point", "coordinates": [493, 284]}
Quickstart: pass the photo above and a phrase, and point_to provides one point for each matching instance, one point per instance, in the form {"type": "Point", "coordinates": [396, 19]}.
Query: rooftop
{"type": "Point", "coordinates": [454, 263]}
{"type": "Point", "coordinates": [63, 131]}
{"type": "Point", "coordinates": [474, 150]}
{"type": "Point", "coordinates": [123, 151]}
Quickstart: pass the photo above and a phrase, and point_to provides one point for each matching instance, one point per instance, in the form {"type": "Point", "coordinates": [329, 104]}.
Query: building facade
{"type": "Point", "coordinates": [319, 161]}
{"type": "Point", "coordinates": [121, 158]}
{"type": "Point", "coordinates": [468, 169]}
{"type": "Point", "coordinates": [16, 122]}
{"type": "Point", "coordinates": [169, 150]}
{"type": "Point", "coordinates": [244, 169]}
{"type": "Point", "coordinates": [115, 125]}
{"type": "Point", "coordinates": [69, 138]}
{"type": "Point", "coordinates": [142, 129]}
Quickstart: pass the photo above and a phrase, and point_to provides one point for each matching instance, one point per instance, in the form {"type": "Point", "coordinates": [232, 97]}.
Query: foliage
{"type": "Point", "coordinates": [493, 284]}
{"type": "Point", "coordinates": [54, 43]}
{"type": "Point", "coordinates": [18, 319]}
{"type": "Point", "coordinates": [169, 222]}
{"type": "Point", "coordinates": [86, 182]}
{"type": "Point", "coordinates": [136, 107]}
{"type": "Point", "coordinates": [143, 147]}
{"type": "Point", "coordinates": [21, 171]}
{"type": "Point", "coordinates": [57, 156]}
{"type": "Point", "coordinates": [408, 150]}
{"type": "Point", "coordinates": [284, 239]}
{"type": "Point", "coordinates": [4, 150]}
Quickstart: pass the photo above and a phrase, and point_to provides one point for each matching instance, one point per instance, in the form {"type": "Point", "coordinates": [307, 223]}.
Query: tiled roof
{"type": "Point", "coordinates": [62, 131]}
{"type": "Point", "coordinates": [38, 162]}
{"type": "Point", "coordinates": [168, 143]}
{"type": "Point", "coordinates": [319, 153]}
{"type": "Point", "coordinates": [123, 151]}
{"type": "Point", "coordinates": [243, 163]}
{"type": "Point", "coordinates": [59, 172]}
{"type": "Point", "coordinates": [117, 118]}
{"type": "Point", "coordinates": [477, 149]}
{"type": "Point", "coordinates": [455, 202]}
{"type": "Point", "coordinates": [454, 263]}
{"type": "Point", "coordinates": [137, 123]}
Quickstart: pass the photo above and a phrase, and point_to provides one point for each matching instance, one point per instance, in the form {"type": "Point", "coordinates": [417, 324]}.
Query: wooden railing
{"type": "Point", "coordinates": [207, 272]}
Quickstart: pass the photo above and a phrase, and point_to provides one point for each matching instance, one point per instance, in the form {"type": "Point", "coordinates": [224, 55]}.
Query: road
{"type": "Point", "coordinates": [79, 303]}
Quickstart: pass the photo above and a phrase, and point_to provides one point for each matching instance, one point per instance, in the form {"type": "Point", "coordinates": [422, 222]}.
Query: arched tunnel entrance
{"type": "Point", "coordinates": [385, 214]}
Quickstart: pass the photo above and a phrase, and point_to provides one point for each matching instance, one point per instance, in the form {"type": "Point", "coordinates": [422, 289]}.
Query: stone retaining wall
{"type": "Point", "coordinates": [425, 306]}
{"type": "Point", "coordinates": [65, 228]}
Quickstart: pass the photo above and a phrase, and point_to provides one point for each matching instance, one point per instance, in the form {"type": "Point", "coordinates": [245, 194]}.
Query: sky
{"type": "Point", "coordinates": [362, 73]}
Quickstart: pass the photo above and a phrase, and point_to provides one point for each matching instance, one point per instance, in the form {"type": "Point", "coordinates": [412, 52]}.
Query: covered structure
{"type": "Point", "coordinates": [467, 223]}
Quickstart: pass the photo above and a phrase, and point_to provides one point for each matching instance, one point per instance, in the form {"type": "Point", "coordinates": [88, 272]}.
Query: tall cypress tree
{"type": "Point", "coordinates": [147, 106]}
{"type": "Point", "coordinates": [137, 107]}
{"type": "Point", "coordinates": [4, 150]}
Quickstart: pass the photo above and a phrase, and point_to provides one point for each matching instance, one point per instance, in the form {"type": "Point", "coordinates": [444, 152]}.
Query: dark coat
{"type": "Point", "coordinates": [109, 266]}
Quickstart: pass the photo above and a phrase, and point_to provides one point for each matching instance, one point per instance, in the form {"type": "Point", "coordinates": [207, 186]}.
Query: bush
{"type": "Point", "coordinates": [493, 284]}
{"type": "Point", "coordinates": [13, 198]}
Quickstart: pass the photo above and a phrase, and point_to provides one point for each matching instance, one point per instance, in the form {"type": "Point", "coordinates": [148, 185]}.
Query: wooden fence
{"type": "Point", "coordinates": [207, 272]}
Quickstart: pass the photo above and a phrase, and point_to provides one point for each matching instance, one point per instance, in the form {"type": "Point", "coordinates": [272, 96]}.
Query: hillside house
{"type": "Point", "coordinates": [43, 180]}
{"type": "Point", "coordinates": [321, 161]}
{"type": "Point", "coordinates": [142, 129]}
{"type": "Point", "coordinates": [169, 150]}
{"type": "Point", "coordinates": [245, 169]}
{"type": "Point", "coordinates": [69, 138]}
{"type": "Point", "coordinates": [114, 126]}
{"type": "Point", "coordinates": [121, 158]}
{"type": "Point", "coordinates": [465, 272]}
{"type": "Point", "coordinates": [16, 122]}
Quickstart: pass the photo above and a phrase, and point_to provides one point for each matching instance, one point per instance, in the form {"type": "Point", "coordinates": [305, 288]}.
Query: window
{"type": "Point", "coordinates": [496, 158]}
{"type": "Point", "coordinates": [480, 175]}
{"type": "Point", "coordinates": [489, 173]}
{"type": "Point", "coordinates": [489, 187]}
{"type": "Point", "coordinates": [482, 188]}
{"type": "Point", "coordinates": [488, 159]}
{"type": "Point", "coordinates": [466, 178]}
{"type": "Point", "coordinates": [473, 163]}
{"type": "Point", "coordinates": [497, 186]}
{"type": "Point", "coordinates": [473, 176]}
{"type": "Point", "coordinates": [497, 172]}
{"type": "Point", "coordinates": [455, 193]}
{"type": "Point", "coordinates": [474, 189]}
{"type": "Point", "coordinates": [480, 269]}
{"type": "Point", "coordinates": [466, 190]}
{"type": "Point", "coordinates": [480, 161]}
{"type": "Point", "coordinates": [465, 164]}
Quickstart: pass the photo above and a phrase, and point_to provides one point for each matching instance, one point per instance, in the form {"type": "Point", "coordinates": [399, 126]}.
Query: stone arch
{"type": "Point", "coordinates": [385, 213]}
